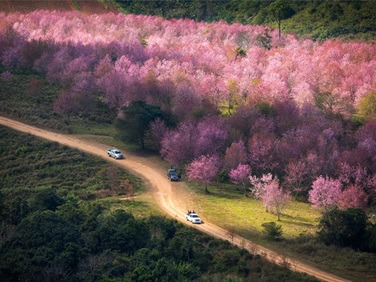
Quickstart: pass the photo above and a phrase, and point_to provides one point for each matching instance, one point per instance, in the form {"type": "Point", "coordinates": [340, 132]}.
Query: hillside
{"type": "Point", "coordinates": [85, 6]}
{"type": "Point", "coordinates": [318, 19]}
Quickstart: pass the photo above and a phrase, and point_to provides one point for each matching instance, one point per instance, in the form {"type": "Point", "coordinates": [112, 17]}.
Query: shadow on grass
{"type": "Point", "coordinates": [298, 221]}
{"type": "Point", "coordinates": [223, 191]}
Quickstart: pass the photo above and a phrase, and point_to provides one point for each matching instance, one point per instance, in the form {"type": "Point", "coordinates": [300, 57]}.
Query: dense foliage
{"type": "Point", "coordinates": [55, 233]}
{"type": "Point", "coordinates": [349, 228]}
{"type": "Point", "coordinates": [319, 19]}
{"type": "Point", "coordinates": [135, 120]}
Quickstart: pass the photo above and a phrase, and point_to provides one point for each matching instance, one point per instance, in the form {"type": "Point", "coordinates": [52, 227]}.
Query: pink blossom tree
{"type": "Point", "coordinates": [156, 132]}
{"type": "Point", "coordinates": [235, 154]}
{"type": "Point", "coordinates": [262, 152]}
{"type": "Point", "coordinates": [65, 104]}
{"type": "Point", "coordinates": [371, 188]}
{"type": "Point", "coordinates": [353, 197]}
{"type": "Point", "coordinates": [259, 184]}
{"type": "Point", "coordinates": [177, 146]}
{"type": "Point", "coordinates": [211, 136]}
{"type": "Point", "coordinates": [267, 189]}
{"type": "Point", "coordinates": [296, 174]}
{"type": "Point", "coordinates": [204, 169]}
{"type": "Point", "coordinates": [325, 193]}
{"type": "Point", "coordinates": [275, 197]}
{"type": "Point", "coordinates": [240, 175]}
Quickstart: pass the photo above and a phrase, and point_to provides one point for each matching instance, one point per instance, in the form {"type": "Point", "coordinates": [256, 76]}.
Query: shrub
{"type": "Point", "coordinates": [272, 230]}
{"type": "Point", "coordinates": [344, 228]}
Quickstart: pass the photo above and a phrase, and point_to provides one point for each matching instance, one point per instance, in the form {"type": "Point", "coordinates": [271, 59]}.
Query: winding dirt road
{"type": "Point", "coordinates": [149, 169]}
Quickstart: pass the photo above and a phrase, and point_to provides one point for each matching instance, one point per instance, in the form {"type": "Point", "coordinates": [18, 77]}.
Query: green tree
{"type": "Point", "coordinates": [272, 230]}
{"type": "Point", "coordinates": [47, 199]}
{"type": "Point", "coordinates": [41, 241]}
{"type": "Point", "coordinates": [366, 107]}
{"type": "Point", "coordinates": [281, 10]}
{"type": "Point", "coordinates": [17, 209]}
{"type": "Point", "coordinates": [134, 123]}
{"type": "Point", "coordinates": [71, 212]}
{"type": "Point", "coordinates": [344, 228]}
{"type": "Point", "coordinates": [2, 206]}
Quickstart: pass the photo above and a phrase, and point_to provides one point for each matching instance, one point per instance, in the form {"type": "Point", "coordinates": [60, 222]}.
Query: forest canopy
{"type": "Point", "coordinates": [318, 19]}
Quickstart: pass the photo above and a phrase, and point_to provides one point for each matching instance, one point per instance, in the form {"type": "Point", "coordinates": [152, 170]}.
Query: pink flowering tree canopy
{"type": "Point", "coordinates": [240, 175]}
{"type": "Point", "coordinates": [204, 170]}
{"type": "Point", "coordinates": [353, 197]}
{"type": "Point", "coordinates": [267, 189]}
{"type": "Point", "coordinates": [259, 184]}
{"type": "Point", "coordinates": [325, 193]}
{"type": "Point", "coordinates": [275, 198]}
{"type": "Point", "coordinates": [235, 154]}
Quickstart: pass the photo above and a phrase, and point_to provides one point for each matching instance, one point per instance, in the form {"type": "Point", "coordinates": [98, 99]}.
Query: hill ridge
{"type": "Point", "coordinates": [85, 6]}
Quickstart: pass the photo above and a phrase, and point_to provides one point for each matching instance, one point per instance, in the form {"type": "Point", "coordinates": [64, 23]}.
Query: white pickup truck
{"type": "Point", "coordinates": [193, 217]}
{"type": "Point", "coordinates": [115, 153]}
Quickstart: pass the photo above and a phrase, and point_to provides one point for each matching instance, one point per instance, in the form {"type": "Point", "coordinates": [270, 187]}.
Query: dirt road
{"type": "Point", "coordinates": [150, 170]}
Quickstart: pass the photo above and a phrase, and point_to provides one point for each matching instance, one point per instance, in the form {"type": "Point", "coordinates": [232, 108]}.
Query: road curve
{"type": "Point", "coordinates": [146, 168]}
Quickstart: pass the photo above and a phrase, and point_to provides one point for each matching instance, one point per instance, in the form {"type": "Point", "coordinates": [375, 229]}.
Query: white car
{"type": "Point", "coordinates": [115, 153]}
{"type": "Point", "coordinates": [193, 217]}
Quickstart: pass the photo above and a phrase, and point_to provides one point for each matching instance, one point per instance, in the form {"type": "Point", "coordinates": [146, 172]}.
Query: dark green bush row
{"type": "Point", "coordinates": [82, 242]}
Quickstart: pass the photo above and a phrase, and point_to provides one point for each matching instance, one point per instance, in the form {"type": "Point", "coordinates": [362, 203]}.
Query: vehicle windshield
{"type": "Point", "coordinates": [194, 215]}
{"type": "Point", "coordinates": [117, 152]}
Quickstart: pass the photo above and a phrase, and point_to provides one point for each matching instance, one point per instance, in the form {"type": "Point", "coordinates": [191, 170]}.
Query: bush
{"type": "Point", "coordinates": [272, 230]}
{"type": "Point", "coordinates": [344, 228]}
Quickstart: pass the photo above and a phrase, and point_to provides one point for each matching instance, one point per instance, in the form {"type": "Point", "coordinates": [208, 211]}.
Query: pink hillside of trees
{"type": "Point", "coordinates": [288, 110]}
{"type": "Point", "coordinates": [115, 54]}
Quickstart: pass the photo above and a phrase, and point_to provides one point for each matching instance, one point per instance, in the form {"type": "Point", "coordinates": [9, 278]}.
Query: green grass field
{"type": "Point", "coordinates": [247, 213]}
{"type": "Point", "coordinates": [228, 207]}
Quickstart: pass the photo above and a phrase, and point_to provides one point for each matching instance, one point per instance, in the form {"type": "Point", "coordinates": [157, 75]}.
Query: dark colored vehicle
{"type": "Point", "coordinates": [172, 175]}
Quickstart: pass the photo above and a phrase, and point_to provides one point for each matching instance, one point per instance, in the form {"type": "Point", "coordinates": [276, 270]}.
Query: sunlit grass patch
{"type": "Point", "coordinates": [141, 206]}
{"type": "Point", "coordinates": [231, 208]}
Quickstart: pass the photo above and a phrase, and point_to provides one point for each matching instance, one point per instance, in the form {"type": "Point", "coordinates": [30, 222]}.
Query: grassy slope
{"type": "Point", "coordinates": [229, 208]}
{"type": "Point", "coordinates": [31, 165]}
{"type": "Point", "coordinates": [349, 20]}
